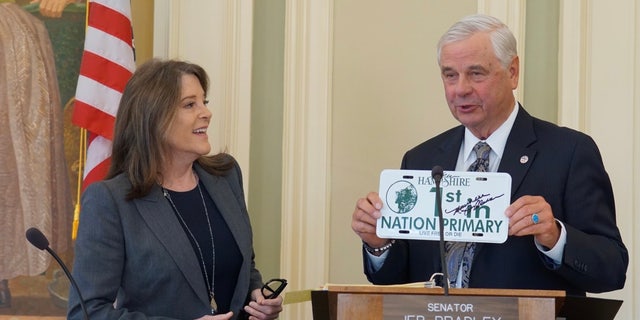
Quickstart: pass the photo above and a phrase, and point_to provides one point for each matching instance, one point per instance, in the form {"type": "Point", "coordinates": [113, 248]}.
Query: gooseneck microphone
{"type": "Point", "coordinates": [38, 240]}
{"type": "Point", "coordinates": [436, 174]}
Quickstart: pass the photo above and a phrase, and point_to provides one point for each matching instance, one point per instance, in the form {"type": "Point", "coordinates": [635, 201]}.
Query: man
{"type": "Point", "coordinates": [562, 224]}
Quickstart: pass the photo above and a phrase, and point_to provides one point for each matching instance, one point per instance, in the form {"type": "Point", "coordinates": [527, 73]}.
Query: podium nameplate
{"type": "Point", "coordinates": [372, 302]}
{"type": "Point", "coordinates": [421, 307]}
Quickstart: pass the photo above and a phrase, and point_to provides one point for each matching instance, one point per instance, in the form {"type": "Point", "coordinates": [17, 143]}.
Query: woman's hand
{"type": "Point", "coordinates": [263, 309]}
{"type": "Point", "coordinates": [225, 316]}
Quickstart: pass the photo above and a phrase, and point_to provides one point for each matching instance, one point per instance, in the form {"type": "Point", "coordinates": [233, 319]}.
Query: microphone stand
{"type": "Point", "coordinates": [73, 282]}
{"type": "Point", "coordinates": [40, 241]}
{"type": "Point", "coordinates": [437, 173]}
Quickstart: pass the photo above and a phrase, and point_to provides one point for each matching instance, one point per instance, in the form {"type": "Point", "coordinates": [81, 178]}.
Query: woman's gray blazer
{"type": "Point", "coordinates": [134, 261]}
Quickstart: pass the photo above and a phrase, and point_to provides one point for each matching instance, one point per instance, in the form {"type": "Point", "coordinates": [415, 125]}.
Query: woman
{"type": "Point", "coordinates": [167, 234]}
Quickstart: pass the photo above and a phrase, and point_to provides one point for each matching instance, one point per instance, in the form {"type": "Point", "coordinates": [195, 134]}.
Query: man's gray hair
{"type": "Point", "coordinates": [502, 40]}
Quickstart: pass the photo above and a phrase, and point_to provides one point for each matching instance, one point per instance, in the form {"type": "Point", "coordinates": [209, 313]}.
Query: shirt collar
{"type": "Point", "coordinates": [497, 140]}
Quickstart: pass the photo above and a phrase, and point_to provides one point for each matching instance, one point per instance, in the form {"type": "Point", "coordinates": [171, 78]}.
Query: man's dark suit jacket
{"type": "Point", "coordinates": [565, 167]}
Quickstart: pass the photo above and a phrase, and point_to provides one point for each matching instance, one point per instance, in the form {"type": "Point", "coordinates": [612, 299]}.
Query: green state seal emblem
{"type": "Point", "coordinates": [401, 196]}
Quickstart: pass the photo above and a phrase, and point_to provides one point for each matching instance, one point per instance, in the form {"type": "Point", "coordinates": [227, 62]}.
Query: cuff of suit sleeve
{"type": "Point", "coordinates": [554, 255]}
{"type": "Point", "coordinates": [375, 262]}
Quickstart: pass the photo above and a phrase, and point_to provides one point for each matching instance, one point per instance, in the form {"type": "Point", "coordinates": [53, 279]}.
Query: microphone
{"type": "Point", "coordinates": [436, 174]}
{"type": "Point", "coordinates": [38, 240]}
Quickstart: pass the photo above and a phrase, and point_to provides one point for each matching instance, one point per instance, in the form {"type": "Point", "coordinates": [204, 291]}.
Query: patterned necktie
{"type": "Point", "coordinates": [461, 253]}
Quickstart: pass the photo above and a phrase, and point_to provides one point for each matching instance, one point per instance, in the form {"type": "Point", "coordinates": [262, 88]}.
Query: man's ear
{"type": "Point", "coordinates": [514, 72]}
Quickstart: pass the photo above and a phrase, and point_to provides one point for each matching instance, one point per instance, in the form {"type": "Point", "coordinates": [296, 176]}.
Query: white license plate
{"type": "Point", "coordinates": [473, 204]}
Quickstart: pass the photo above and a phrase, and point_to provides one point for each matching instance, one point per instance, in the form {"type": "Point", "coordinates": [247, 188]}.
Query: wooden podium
{"type": "Point", "coordinates": [370, 302]}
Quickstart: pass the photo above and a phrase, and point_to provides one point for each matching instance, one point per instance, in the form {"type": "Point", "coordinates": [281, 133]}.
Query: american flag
{"type": "Point", "coordinates": [107, 64]}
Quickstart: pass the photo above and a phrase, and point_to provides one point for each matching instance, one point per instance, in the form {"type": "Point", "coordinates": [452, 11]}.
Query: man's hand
{"type": "Point", "coordinates": [532, 215]}
{"type": "Point", "coordinates": [363, 220]}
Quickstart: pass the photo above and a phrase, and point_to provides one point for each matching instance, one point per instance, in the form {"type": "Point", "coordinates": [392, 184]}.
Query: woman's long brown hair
{"type": "Point", "coordinates": [147, 107]}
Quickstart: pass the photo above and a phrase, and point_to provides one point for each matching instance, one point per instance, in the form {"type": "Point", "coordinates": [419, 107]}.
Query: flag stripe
{"type": "Point", "coordinates": [111, 22]}
{"type": "Point", "coordinates": [97, 173]}
{"type": "Point", "coordinates": [124, 7]}
{"type": "Point", "coordinates": [110, 47]}
{"type": "Point", "coordinates": [93, 119]}
{"type": "Point", "coordinates": [98, 95]}
{"type": "Point", "coordinates": [104, 71]}
{"type": "Point", "coordinates": [98, 150]}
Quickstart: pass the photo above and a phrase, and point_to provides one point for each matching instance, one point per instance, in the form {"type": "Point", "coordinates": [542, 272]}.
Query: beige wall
{"type": "Point", "coordinates": [598, 92]}
{"type": "Point", "coordinates": [142, 20]}
{"type": "Point", "coordinates": [266, 134]}
{"type": "Point", "coordinates": [387, 97]}
{"type": "Point", "coordinates": [540, 95]}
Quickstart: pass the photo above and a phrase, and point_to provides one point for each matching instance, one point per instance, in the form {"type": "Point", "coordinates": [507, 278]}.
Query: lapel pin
{"type": "Point", "coordinates": [524, 159]}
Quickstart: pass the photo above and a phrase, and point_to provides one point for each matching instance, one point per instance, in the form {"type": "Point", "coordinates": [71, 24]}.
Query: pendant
{"type": "Point", "coordinates": [214, 305]}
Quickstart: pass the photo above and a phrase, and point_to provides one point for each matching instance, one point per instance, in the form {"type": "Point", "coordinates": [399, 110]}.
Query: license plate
{"type": "Point", "coordinates": [473, 204]}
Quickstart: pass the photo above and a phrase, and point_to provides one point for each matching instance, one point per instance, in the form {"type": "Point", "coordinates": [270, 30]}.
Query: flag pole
{"type": "Point", "coordinates": [82, 157]}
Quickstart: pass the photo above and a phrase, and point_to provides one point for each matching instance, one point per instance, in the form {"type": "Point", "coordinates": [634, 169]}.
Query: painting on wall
{"type": "Point", "coordinates": [41, 45]}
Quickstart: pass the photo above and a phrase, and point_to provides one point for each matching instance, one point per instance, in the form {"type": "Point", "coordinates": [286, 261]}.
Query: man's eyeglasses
{"type": "Point", "coordinates": [273, 288]}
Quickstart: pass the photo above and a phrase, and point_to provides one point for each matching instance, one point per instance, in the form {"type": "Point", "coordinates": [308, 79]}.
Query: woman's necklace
{"type": "Point", "coordinates": [214, 305]}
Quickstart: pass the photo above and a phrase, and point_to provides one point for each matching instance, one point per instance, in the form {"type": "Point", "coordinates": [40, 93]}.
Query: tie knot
{"type": "Point", "coordinates": [482, 150]}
